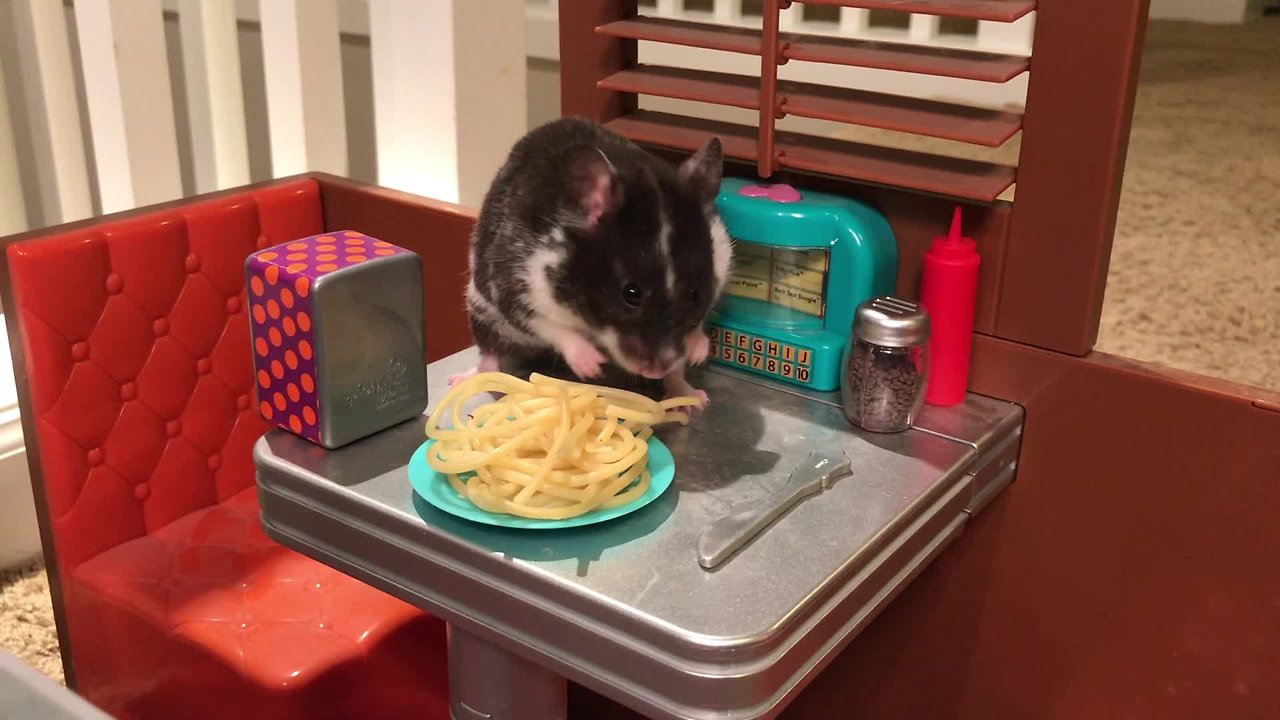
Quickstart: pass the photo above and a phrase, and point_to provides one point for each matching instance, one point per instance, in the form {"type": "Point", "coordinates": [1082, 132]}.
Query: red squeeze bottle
{"type": "Point", "coordinates": [949, 292]}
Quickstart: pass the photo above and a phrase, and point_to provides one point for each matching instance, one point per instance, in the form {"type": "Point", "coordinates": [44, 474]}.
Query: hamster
{"type": "Point", "coordinates": [593, 249]}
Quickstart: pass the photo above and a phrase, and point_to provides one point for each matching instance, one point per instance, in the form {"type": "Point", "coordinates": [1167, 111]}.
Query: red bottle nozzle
{"type": "Point", "coordinates": [954, 236]}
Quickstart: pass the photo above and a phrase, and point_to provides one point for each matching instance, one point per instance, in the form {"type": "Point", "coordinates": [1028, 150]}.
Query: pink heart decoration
{"type": "Point", "coordinates": [781, 192]}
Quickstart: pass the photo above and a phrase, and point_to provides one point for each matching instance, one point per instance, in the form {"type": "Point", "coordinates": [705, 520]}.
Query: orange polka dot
{"type": "Point", "coordinates": [303, 286]}
{"type": "Point", "coordinates": [291, 359]}
{"type": "Point", "coordinates": [297, 246]}
{"type": "Point", "coordinates": [309, 415]}
{"type": "Point", "coordinates": [326, 267]}
{"type": "Point", "coordinates": [289, 328]}
{"type": "Point", "coordinates": [381, 243]}
{"type": "Point", "coordinates": [308, 384]}
{"type": "Point", "coordinates": [286, 297]}
{"type": "Point", "coordinates": [296, 256]}
{"type": "Point", "coordinates": [265, 407]}
{"type": "Point", "coordinates": [384, 252]}
{"type": "Point", "coordinates": [279, 401]}
{"type": "Point", "coordinates": [296, 267]}
{"type": "Point", "coordinates": [325, 248]}
{"type": "Point", "coordinates": [261, 346]}
{"type": "Point", "coordinates": [274, 334]}
{"type": "Point", "coordinates": [353, 234]}
{"type": "Point", "coordinates": [293, 392]}
{"type": "Point", "coordinates": [304, 349]}
{"type": "Point", "coordinates": [356, 258]}
{"type": "Point", "coordinates": [304, 322]}
{"type": "Point", "coordinates": [325, 239]}
{"type": "Point", "coordinates": [255, 284]}
{"type": "Point", "coordinates": [277, 369]}
{"type": "Point", "coordinates": [273, 309]}
{"type": "Point", "coordinates": [272, 273]}
{"type": "Point", "coordinates": [354, 241]}
{"type": "Point", "coordinates": [268, 256]}
{"type": "Point", "coordinates": [259, 315]}
{"type": "Point", "coordinates": [295, 424]}
{"type": "Point", "coordinates": [264, 379]}
{"type": "Point", "coordinates": [327, 257]}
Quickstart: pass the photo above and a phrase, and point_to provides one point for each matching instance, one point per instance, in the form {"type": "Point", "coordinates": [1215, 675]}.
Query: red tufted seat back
{"type": "Point", "coordinates": [136, 344]}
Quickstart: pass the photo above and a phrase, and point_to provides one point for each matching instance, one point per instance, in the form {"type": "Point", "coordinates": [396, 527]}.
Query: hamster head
{"type": "Point", "coordinates": [648, 256]}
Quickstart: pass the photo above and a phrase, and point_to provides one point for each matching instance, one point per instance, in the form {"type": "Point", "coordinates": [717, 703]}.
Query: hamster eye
{"type": "Point", "coordinates": [631, 295]}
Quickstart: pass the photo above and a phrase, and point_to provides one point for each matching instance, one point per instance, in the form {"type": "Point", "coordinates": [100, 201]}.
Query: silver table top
{"type": "Point", "coordinates": [623, 606]}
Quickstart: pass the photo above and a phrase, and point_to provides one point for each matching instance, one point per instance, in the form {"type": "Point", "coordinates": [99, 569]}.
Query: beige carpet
{"type": "Point", "coordinates": [1195, 273]}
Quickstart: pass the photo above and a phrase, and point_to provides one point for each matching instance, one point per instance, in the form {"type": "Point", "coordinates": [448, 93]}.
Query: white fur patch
{"type": "Point", "coordinates": [721, 252]}
{"type": "Point", "coordinates": [550, 320]}
{"type": "Point", "coordinates": [664, 247]}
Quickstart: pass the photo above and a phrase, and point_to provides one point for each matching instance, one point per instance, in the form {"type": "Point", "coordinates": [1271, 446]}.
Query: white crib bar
{"type": "Point", "coordinates": [130, 102]}
{"type": "Point", "coordinates": [492, 89]}
{"type": "Point", "coordinates": [305, 98]}
{"type": "Point", "coordinates": [13, 208]}
{"type": "Point", "coordinates": [854, 21]}
{"type": "Point", "coordinates": [923, 28]}
{"type": "Point", "coordinates": [215, 96]}
{"type": "Point", "coordinates": [1015, 38]}
{"type": "Point", "coordinates": [49, 84]}
{"type": "Point", "coordinates": [727, 12]}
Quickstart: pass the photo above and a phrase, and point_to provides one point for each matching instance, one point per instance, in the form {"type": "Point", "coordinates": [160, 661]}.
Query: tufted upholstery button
{"type": "Point", "coordinates": [215, 462]}
{"type": "Point", "coordinates": [203, 366]}
{"type": "Point", "coordinates": [115, 284]}
{"type": "Point", "coordinates": [264, 242]}
{"type": "Point", "coordinates": [173, 428]}
{"type": "Point", "coordinates": [233, 304]}
{"type": "Point", "coordinates": [80, 351]}
{"type": "Point", "coordinates": [242, 402]}
{"type": "Point", "coordinates": [141, 491]}
{"type": "Point", "coordinates": [192, 263]}
{"type": "Point", "coordinates": [160, 327]}
{"type": "Point", "coordinates": [128, 391]}
{"type": "Point", "coordinates": [95, 457]}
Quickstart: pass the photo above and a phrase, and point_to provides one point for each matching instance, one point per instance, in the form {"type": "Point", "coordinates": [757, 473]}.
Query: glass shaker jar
{"type": "Point", "coordinates": [886, 365]}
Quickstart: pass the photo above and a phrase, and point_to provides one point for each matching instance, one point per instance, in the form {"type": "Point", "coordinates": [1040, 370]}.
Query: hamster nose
{"type": "Point", "coordinates": [667, 359]}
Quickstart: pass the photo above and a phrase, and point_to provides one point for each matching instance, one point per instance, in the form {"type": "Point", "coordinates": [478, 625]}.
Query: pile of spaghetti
{"type": "Point", "coordinates": [547, 448]}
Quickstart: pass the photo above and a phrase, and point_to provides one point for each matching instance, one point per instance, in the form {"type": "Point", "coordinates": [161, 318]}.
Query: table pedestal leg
{"type": "Point", "coordinates": [487, 682]}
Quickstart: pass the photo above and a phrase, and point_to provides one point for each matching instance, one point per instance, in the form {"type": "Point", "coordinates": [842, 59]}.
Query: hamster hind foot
{"type": "Point", "coordinates": [488, 363]}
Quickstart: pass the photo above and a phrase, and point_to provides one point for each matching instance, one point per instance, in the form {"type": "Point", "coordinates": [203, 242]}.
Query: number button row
{"type": "Point", "coordinates": [724, 337]}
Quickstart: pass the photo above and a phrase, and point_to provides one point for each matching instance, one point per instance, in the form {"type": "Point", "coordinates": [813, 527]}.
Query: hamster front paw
{"type": "Point", "coordinates": [584, 359]}
{"type": "Point", "coordinates": [488, 363]}
{"type": "Point", "coordinates": [697, 347]}
{"type": "Point", "coordinates": [675, 385]}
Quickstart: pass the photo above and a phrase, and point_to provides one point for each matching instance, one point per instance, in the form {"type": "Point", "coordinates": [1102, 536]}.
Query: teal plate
{"type": "Point", "coordinates": [434, 488]}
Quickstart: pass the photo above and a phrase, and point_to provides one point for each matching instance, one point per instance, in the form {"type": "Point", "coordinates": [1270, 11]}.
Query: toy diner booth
{"type": "Point", "coordinates": [916, 492]}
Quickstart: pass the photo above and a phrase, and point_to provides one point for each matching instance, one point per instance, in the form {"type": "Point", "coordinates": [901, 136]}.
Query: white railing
{"type": "Point", "coordinates": [430, 64]}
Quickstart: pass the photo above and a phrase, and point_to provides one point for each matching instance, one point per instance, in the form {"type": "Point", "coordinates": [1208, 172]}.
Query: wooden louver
{"type": "Point", "coordinates": [771, 150]}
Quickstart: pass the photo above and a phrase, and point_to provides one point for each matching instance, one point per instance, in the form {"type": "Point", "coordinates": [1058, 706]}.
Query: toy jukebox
{"type": "Point", "coordinates": [802, 263]}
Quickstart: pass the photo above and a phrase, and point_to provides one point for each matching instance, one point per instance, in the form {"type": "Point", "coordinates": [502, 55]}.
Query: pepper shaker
{"type": "Point", "coordinates": [886, 364]}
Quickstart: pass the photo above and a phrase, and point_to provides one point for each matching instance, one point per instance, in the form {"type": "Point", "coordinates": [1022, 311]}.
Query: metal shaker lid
{"type": "Point", "coordinates": [891, 322]}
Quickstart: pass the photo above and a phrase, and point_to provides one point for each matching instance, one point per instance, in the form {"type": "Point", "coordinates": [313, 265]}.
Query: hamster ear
{"type": "Point", "coordinates": [701, 173]}
{"type": "Point", "coordinates": [592, 184]}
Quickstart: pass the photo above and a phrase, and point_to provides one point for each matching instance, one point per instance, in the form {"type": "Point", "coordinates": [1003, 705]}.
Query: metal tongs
{"type": "Point", "coordinates": [728, 534]}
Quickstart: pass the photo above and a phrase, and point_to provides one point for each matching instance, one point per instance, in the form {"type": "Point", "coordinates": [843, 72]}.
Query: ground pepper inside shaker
{"type": "Point", "coordinates": [886, 365]}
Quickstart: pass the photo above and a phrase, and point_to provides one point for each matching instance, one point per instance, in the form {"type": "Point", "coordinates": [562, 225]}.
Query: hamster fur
{"type": "Point", "coordinates": [594, 249]}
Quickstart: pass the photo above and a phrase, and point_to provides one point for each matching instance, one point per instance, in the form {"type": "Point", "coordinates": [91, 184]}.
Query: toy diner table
{"type": "Point", "coordinates": [624, 607]}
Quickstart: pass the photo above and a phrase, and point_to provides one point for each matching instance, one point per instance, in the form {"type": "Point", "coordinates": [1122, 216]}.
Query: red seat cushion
{"type": "Point", "coordinates": [213, 583]}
